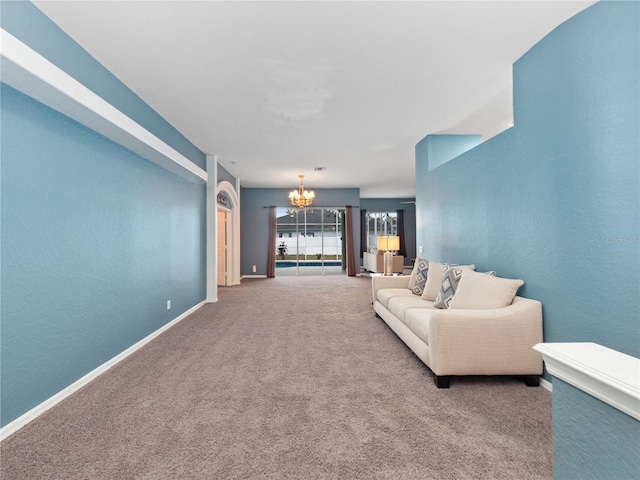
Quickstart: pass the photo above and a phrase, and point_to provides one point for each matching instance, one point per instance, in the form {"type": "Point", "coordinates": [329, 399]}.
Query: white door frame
{"type": "Point", "coordinates": [233, 233]}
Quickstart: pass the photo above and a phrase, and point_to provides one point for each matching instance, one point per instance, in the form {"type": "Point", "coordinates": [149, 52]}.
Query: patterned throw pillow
{"type": "Point", "coordinates": [422, 269]}
{"type": "Point", "coordinates": [434, 282]}
{"type": "Point", "coordinates": [414, 272]}
{"type": "Point", "coordinates": [450, 280]}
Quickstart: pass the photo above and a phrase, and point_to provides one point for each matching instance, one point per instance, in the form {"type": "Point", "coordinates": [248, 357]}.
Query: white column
{"type": "Point", "coordinates": [212, 229]}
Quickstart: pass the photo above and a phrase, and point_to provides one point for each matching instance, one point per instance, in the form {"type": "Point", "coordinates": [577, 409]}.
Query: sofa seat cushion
{"type": "Point", "coordinates": [399, 305]}
{"type": "Point", "coordinates": [417, 319]}
{"type": "Point", "coordinates": [384, 294]}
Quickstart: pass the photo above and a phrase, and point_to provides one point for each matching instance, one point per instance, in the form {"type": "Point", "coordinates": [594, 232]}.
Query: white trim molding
{"type": "Point", "coordinates": [546, 384]}
{"type": "Point", "coordinates": [609, 375]}
{"type": "Point", "coordinates": [38, 410]}
{"type": "Point", "coordinates": [30, 73]}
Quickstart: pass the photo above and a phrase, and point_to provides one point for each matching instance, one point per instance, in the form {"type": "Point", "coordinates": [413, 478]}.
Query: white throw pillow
{"type": "Point", "coordinates": [450, 280]}
{"type": "Point", "coordinates": [478, 291]}
{"type": "Point", "coordinates": [434, 279]}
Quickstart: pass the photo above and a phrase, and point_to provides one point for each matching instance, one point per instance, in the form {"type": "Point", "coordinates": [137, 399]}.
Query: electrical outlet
{"type": "Point", "coordinates": [254, 269]}
{"type": "Point", "coordinates": [168, 304]}
{"type": "Point", "coordinates": [420, 249]}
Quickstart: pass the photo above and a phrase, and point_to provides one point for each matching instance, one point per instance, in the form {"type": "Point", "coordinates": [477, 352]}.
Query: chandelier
{"type": "Point", "coordinates": [301, 197]}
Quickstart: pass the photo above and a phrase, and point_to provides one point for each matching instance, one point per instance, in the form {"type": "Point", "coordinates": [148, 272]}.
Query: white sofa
{"type": "Point", "coordinates": [374, 262]}
{"type": "Point", "coordinates": [455, 342]}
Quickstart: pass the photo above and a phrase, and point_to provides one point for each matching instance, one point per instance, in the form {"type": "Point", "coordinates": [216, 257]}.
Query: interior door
{"type": "Point", "coordinates": [222, 248]}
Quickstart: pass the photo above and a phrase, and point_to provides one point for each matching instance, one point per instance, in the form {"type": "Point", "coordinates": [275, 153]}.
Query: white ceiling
{"type": "Point", "coordinates": [277, 88]}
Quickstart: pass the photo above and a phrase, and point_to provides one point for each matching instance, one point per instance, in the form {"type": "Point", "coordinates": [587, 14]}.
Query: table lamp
{"type": "Point", "coordinates": [388, 244]}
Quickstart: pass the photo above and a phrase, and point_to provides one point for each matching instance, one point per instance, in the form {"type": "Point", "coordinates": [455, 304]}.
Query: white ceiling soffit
{"type": "Point", "coordinates": [275, 89]}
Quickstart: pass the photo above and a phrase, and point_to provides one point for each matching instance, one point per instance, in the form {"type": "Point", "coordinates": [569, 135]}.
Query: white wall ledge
{"type": "Point", "coordinates": [30, 73]}
{"type": "Point", "coordinates": [606, 374]}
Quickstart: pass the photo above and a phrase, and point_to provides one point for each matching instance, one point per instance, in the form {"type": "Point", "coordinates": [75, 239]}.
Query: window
{"type": "Point", "coordinates": [311, 240]}
{"type": "Point", "coordinates": [380, 224]}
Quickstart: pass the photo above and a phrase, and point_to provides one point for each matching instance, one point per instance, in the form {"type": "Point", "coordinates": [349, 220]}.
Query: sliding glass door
{"type": "Point", "coordinates": [310, 241]}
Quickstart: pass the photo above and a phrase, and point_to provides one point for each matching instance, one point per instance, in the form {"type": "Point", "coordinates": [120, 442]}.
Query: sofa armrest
{"type": "Point", "coordinates": [382, 281]}
{"type": "Point", "coordinates": [486, 342]}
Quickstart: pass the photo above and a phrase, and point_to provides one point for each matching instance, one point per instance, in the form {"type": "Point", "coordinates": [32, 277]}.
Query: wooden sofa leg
{"type": "Point", "coordinates": [442, 381]}
{"type": "Point", "coordinates": [532, 380]}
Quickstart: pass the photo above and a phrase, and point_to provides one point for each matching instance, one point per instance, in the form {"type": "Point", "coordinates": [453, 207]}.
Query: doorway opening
{"type": "Point", "coordinates": [223, 248]}
{"type": "Point", "coordinates": [310, 241]}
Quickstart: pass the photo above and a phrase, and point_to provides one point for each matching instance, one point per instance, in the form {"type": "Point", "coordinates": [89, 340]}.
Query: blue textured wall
{"type": "Point", "coordinates": [254, 226]}
{"type": "Point", "coordinates": [591, 439]}
{"type": "Point", "coordinates": [439, 149]}
{"type": "Point", "coordinates": [94, 241]}
{"type": "Point", "coordinates": [224, 175]}
{"type": "Point", "coordinates": [555, 200]}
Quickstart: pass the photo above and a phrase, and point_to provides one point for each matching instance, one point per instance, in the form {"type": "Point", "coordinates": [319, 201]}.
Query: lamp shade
{"type": "Point", "coordinates": [389, 243]}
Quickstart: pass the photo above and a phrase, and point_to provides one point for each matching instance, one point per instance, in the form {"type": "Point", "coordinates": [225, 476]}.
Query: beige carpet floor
{"type": "Point", "coordinates": [285, 378]}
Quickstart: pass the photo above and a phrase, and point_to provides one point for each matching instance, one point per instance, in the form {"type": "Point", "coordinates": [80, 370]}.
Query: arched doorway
{"type": "Point", "coordinates": [228, 234]}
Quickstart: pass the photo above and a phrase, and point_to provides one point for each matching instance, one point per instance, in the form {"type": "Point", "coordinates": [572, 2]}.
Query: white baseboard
{"type": "Point", "coordinates": [38, 410]}
{"type": "Point", "coordinates": [546, 384]}
{"type": "Point", "coordinates": [253, 276]}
